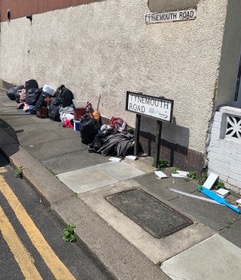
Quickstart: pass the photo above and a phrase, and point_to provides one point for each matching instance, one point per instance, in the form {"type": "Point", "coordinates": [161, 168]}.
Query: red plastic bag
{"type": "Point", "coordinates": [118, 124]}
{"type": "Point", "coordinates": [68, 124]}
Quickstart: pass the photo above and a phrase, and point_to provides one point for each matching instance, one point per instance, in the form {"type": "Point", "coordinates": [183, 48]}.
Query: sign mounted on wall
{"type": "Point", "coordinates": [180, 15]}
{"type": "Point", "coordinates": [155, 107]}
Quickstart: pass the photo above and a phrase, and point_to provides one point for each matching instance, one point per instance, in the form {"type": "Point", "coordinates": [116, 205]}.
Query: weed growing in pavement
{"type": "Point", "coordinates": [202, 178]}
{"type": "Point", "coordinates": [69, 235]}
{"type": "Point", "coordinates": [159, 263]}
{"type": "Point", "coordinates": [19, 172]}
{"type": "Point", "coordinates": [229, 224]}
{"type": "Point", "coordinates": [192, 175]}
{"type": "Point", "coordinates": [162, 164]}
{"type": "Point", "coordinates": [174, 170]}
{"type": "Point", "coordinates": [218, 185]}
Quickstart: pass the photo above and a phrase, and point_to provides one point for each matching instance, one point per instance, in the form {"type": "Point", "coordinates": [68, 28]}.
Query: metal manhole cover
{"type": "Point", "coordinates": [151, 214]}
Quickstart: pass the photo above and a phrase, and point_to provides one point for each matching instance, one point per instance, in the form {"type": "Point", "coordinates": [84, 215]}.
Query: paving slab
{"type": "Point", "coordinates": [43, 151]}
{"type": "Point", "coordinates": [212, 259]}
{"type": "Point", "coordinates": [72, 161]}
{"type": "Point", "coordinates": [30, 139]}
{"type": "Point", "coordinates": [68, 133]}
{"type": "Point", "coordinates": [232, 232]}
{"type": "Point", "coordinates": [212, 215]}
{"type": "Point", "coordinates": [86, 179]}
{"type": "Point", "coordinates": [21, 121]}
{"type": "Point", "coordinates": [12, 114]}
{"type": "Point", "coordinates": [9, 103]}
{"type": "Point", "coordinates": [161, 187]}
{"type": "Point", "coordinates": [97, 176]}
{"type": "Point", "coordinates": [120, 170]}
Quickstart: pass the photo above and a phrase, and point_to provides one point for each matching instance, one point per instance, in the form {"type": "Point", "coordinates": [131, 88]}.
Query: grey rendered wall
{"type": "Point", "coordinates": [169, 5]}
{"type": "Point", "coordinates": [230, 55]}
{"type": "Point", "coordinates": [105, 48]}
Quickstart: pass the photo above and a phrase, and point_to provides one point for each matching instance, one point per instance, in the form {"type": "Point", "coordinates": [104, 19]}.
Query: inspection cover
{"type": "Point", "coordinates": [151, 214]}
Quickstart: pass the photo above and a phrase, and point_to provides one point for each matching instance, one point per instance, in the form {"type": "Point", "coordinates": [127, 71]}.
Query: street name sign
{"type": "Point", "coordinates": [151, 106]}
{"type": "Point", "coordinates": [180, 15]}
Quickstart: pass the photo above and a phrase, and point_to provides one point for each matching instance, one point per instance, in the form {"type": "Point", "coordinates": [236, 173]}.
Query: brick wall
{"type": "Point", "coordinates": [224, 149]}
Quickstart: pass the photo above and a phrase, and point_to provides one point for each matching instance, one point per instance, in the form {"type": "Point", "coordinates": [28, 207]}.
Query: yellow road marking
{"type": "Point", "coordinates": [58, 269]}
{"type": "Point", "coordinates": [21, 255]}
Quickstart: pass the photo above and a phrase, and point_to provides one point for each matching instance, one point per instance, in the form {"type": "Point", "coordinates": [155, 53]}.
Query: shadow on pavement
{"type": "Point", "coordinates": [9, 143]}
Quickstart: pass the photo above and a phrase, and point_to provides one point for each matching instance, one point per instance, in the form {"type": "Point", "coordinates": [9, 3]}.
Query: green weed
{"type": "Point", "coordinates": [192, 175]}
{"type": "Point", "coordinates": [174, 170]}
{"type": "Point", "coordinates": [162, 164]}
{"type": "Point", "coordinates": [202, 178]}
{"type": "Point", "coordinates": [19, 172]}
{"type": "Point", "coordinates": [159, 263]}
{"type": "Point", "coordinates": [69, 234]}
{"type": "Point", "coordinates": [229, 224]}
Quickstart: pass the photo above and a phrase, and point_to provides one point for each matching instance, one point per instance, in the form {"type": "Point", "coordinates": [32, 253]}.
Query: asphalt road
{"type": "Point", "coordinates": [31, 237]}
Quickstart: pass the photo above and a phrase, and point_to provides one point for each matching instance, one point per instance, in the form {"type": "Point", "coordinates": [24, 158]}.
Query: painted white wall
{"type": "Point", "coordinates": [106, 48]}
{"type": "Point", "coordinates": [224, 152]}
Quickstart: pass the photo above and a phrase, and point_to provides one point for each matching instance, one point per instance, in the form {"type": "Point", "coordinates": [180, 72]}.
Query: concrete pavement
{"type": "Point", "coordinates": [75, 184]}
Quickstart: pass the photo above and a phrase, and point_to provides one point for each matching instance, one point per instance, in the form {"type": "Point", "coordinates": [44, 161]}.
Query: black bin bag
{"type": "Point", "coordinates": [32, 96]}
{"type": "Point", "coordinates": [29, 84]}
{"type": "Point", "coordinates": [88, 129]}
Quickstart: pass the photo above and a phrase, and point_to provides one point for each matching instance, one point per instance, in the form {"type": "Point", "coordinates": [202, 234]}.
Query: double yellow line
{"type": "Point", "coordinates": [21, 255]}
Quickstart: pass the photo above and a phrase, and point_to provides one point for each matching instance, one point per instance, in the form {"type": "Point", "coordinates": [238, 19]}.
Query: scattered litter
{"type": "Point", "coordinates": [184, 173]}
{"type": "Point", "coordinates": [218, 198]}
{"type": "Point", "coordinates": [212, 178]}
{"type": "Point", "coordinates": [179, 175]}
{"type": "Point", "coordinates": [161, 174]}
{"type": "Point", "coordinates": [195, 196]}
{"type": "Point", "coordinates": [116, 159]}
{"type": "Point", "coordinates": [223, 192]}
{"type": "Point", "coordinates": [238, 202]}
{"type": "Point", "coordinates": [131, 157]}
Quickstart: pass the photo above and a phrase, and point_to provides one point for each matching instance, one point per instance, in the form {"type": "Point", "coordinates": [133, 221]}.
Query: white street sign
{"type": "Point", "coordinates": [171, 16]}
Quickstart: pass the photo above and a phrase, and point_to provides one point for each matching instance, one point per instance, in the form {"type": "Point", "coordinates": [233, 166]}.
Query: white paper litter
{"type": "Point", "coordinates": [177, 175]}
{"type": "Point", "coordinates": [131, 157]}
{"type": "Point", "coordinates": [116, 159]}
{"type": "Point", "coordinates": [210, 181]}
{"type": "Point", "coordinates": [238, 201]}
{"type": "Point", "coordinates": [161, 174]}
{"type": "Point", "coordinates": [222, 192]}
{"type": "Point", "coordinates": [184, 173]}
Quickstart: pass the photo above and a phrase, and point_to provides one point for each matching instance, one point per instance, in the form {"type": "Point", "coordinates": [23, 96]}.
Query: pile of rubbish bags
{"type": "Point", "coordinates": [113, 139]}
{"type": "Point", "coordinates": [42, 101]}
